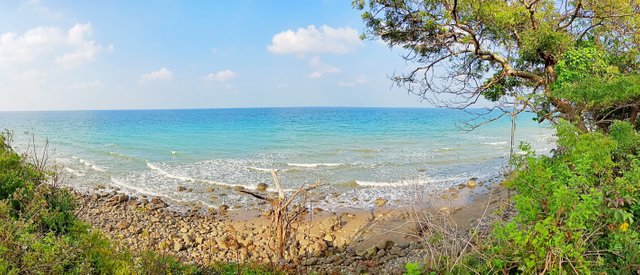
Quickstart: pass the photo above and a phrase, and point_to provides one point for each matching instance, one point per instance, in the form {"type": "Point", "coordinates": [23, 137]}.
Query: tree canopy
{"type": "Point", "coordinates": [578, 60]}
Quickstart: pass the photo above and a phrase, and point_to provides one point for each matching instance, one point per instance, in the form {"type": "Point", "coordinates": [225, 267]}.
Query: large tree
{"type": "Point", "coordinates": [557, 58]}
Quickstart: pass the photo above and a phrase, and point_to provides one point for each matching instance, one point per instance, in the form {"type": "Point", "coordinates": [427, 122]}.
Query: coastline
{"type": "Point", "coordinates": [342, 241]}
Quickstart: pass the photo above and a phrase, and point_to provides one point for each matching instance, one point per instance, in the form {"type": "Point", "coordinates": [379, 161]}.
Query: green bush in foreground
{"type": "Point", "coordinates": [40, 234]}
{"type": "Point", "coordinates": [577, 210]}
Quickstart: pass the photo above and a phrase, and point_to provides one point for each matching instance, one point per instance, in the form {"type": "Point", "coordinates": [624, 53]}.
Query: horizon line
{"type": "Point", "coordinates": [228, 108]}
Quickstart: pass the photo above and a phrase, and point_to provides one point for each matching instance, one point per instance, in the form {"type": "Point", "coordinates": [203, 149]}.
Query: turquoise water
{"type": "Point", "coordinates": [359, 152]}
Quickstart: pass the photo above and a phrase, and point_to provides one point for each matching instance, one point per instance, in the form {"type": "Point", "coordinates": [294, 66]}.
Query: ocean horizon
{"type": "Point", "coordinates": [361, 153]}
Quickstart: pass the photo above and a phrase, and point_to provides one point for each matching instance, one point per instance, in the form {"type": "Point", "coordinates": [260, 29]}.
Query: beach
{"type": "Point", "coordinates": [350, 241]}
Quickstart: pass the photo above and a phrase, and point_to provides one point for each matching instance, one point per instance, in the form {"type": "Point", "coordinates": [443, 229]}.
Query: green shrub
{"type": "Point", "coordinates": [577, 210]}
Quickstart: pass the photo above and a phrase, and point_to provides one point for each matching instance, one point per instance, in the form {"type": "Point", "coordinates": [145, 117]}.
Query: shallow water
{"type": "Point", "coordinates": [360, 152]}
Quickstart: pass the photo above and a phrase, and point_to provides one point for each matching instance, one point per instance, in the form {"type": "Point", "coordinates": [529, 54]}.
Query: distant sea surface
{"type": "Point", "coordinates": [361, 153]}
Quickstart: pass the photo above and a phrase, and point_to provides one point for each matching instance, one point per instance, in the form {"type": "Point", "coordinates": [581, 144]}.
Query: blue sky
{"type": "Point", "coordinates": [78, 55]}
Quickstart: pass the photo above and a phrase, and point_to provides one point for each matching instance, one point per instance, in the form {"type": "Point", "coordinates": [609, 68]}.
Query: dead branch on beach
{"type": "Point", "coordinates": [282, 215]}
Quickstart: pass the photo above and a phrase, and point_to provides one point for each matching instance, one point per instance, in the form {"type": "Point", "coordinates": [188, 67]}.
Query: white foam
{"type": "Point", "coordinates": [74, 172]}
{"type": "Point", "coordinates": [314, 165]}
{"type": "Point", "coordinates": [268, 170]}
{"type": "Point", "coordinates": [495, 143]}
{"type": "Point", "coordinates": [136, 188]}
{"type": "Point", "coordinates": [185, 178]}
{"type": "Point", "coordinates": [168, 175]}
{"type": "Point", "coordinates": [174, 153]}
{"type": "Point", "coordinates": [90, 164]}
{"type": "Point", "coordinates": [402, 183]}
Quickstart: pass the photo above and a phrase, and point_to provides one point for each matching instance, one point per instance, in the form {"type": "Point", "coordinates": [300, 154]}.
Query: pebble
{"type": "Point", "coordinates": [195, 236]}
{"type": "Point", "coordinates": [262, 187]}
{"type": "Point", "coordinates": [379, 202]}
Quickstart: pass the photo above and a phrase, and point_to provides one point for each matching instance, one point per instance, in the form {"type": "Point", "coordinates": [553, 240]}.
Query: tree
{"type": "Point", "coordinates": [512, 51]}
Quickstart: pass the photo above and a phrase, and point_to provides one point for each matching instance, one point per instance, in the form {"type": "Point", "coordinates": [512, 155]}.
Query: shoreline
{"type": "Point", "coordinates": [343, 241]}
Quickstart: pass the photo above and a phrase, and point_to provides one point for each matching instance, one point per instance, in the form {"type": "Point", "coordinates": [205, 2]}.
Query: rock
{"type": "Point", "coordinates": [119, 198]}
{"type": "Point", "coordinates": [384, 244]}
{"type": "Point", "coordinates": [371, 252]}
{"type": "Point", "coordinates": [335, 259]}
{"type": "Point", "coordinates": [181, 188]}
{"type": "Point", "coordinates": [122, 225]}
{"type": "Point", "coordinates": [186, 238]}
{"type": "Point", "coordinates": [310, 261]}
{"type": "Point", "coordinates": [211, 190]}
{"type": "Point", "coordinates": [328, 238]}
{"type": "Point", "coordinates": [238, 188]}
{"type": "Point", "coordinates": [317, 210]}
{"type": "Point", "coordinates": [156, 200]}
{"type": "Point", "coordinates": [472, 183]}
{"type": "Point", "coordinates": [177, 247]}
{"type": "Point", "coordinates": [361, 252]}
{"type": "Point", "coordinates": [462, 186]}
{"type": "Point", "coordinates": [262, 187]}
{"type": "Point", "coordinates": [379, 202]}
{"type": "Point", "coordinates": [223, 208]}
{"type": "Point", "coordinates": [199, 240]}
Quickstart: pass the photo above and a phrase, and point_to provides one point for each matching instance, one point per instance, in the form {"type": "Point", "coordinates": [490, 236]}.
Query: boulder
{"type": "Point", "coordinates": [384, 244]}
{"type": "Point", "coordinates": [379, 202]}
{"type": "Point", "coordinates": [122, 225]}
{"type": "Point", "coordinates": [182, 188]}
{"type": "Point", "coordinates": [472, 183]}
{"type": "Point", "coordinates": [177, 247]}
{"type": "Point", "coordinates": [262, 187]}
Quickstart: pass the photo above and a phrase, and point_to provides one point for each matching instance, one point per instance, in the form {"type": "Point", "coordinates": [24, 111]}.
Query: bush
{"type": "Point", "coordinates": [577, 210]}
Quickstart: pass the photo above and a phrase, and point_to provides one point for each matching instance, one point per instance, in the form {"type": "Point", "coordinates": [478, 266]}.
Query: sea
{"type": "Point", "coordinates": [360, 154]}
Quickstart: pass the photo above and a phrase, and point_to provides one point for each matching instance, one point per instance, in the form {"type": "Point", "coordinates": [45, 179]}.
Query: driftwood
{"type": "Point", "coordinates": [282, 217]}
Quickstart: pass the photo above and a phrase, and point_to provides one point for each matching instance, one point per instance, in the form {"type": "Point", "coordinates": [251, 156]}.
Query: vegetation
{"type": "Point", "coordinates": [575, 64]}
{"type": "Point", "coordinates": [577, 210]}
{"type": "Point", "coordinates": [515, 52]}
{"type": "Point", "coordinates": [40, 233]}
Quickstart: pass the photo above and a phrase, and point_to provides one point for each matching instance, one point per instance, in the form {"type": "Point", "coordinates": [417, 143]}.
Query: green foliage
{"type": "Point", "coordinates": [587, 77]}
{"type": "Point", "coordinates": [577, 210]}
{"type": "Point", "coordinates": [414, 268]}
{"type": "Point", "coordinates": [544, 43]}
{"type": "Point", "coordinates": [15, 173]}
{"type": "Point", "coordinates": [576, 60]}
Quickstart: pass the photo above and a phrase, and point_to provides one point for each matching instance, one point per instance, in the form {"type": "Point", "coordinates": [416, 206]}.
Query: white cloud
{"type": "Point", "coordinates": [29, 75]}
{"type": "Point", "coordinates": [43, 42]}
{"type": "Point", "coordinates": [360, 79]}
{"type": "Point", "coordinates": [84, 50]}
{"type": "Point", "coordinates": [161, 74]}
{"type": "Point", "coordinates": [37, 8]}
{"type": "Point", "coordinates": [319, 68]}
{"type": "Point", "coordinates": [220, 76]}
{"type": "Point", "coordinates": [313, 40]}
{"type": "Point", "coordinates": [346, 84]}
{"type": "Point", "coordinates": [85, 85]}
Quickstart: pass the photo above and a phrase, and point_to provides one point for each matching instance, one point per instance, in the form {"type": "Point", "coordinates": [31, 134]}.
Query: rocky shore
{"type": "Point", "coordinates": [378, 242]}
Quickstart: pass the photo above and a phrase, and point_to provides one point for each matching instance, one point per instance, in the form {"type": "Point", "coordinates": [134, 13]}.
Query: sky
{"type": "Point", "coordinates": [165, 54]}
